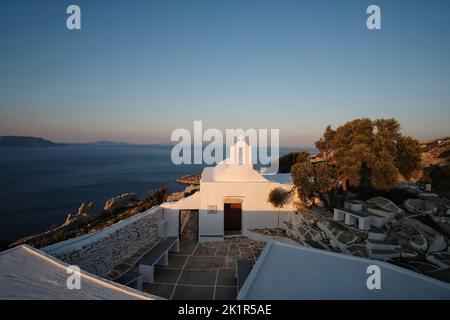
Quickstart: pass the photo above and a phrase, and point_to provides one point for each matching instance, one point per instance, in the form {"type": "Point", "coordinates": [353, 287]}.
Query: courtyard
{"type": "Point", "coordinates": [203, 271]}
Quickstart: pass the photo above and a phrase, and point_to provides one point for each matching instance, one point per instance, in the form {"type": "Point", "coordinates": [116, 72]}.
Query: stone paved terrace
{"type": "Point", "coordinates": [203, 270]}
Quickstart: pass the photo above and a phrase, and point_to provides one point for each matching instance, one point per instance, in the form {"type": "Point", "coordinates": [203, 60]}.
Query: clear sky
{"type": "Point", "coordinates": [139, 69]}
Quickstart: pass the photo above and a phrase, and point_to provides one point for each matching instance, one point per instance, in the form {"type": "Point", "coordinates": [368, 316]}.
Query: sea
{"type": "Point", "coordinates": [39, 187]}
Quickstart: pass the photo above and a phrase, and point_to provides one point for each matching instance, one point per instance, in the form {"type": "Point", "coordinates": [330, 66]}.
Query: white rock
{"type": "Point", "coordinates": [384, 204]}
{"type": "Point", "coordinates": [442, 260]}
{"type": "Point", "coordinates": [419, 206]}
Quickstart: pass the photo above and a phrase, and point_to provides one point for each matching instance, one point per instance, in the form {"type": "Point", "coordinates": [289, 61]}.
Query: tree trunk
{"type": "Point", "coordinates": [325, 202]}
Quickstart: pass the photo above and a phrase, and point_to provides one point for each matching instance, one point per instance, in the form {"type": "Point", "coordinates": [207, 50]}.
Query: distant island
{"type": "Point", "coordinates": [109, 143]}
{"type": "Point", "coordinates": [26, 142]}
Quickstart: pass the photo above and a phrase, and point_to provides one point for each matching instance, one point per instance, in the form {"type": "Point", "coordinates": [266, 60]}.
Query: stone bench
{"type": "Point", "coordinates": [131, 279]}
{"type": "Point", "coordinates": [243, 268]}
{"type": "Point", "coordinates": [351, 217]}
{"type": "Point", "coordinates": [158, 256]}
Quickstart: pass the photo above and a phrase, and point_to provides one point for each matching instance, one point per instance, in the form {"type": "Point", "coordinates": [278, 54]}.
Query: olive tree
{"type": "Point", "coordinates": [360, 153]}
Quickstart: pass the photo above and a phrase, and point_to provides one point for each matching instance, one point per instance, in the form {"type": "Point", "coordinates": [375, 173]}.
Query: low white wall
{"type": "Point", "coordinates": [101, 251]}
{"type": "Point", "coordinates": [267, 219]}
{"type": "Point", "coordinates": [211, 224]}
{"type": "Point", "coordinates": [172, 222]}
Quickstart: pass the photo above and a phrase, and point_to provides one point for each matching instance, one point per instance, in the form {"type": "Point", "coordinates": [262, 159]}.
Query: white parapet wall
{"type": "Point", "coordinates": [101, 251]}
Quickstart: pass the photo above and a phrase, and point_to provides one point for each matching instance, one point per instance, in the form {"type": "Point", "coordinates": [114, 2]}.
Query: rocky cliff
{"type": "Point", "coordinates": [191, 179]}
{"type": "Point", "coordinates": [88, 219]}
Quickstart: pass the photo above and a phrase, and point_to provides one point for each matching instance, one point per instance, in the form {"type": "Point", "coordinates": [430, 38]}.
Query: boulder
{"type": "Point", "coordinates": [296, 227]}
{"type": "Point", "coordinates": [418, 242]}
{"type": "Point", "coordinates": [124, 201]}
{"type": "Point", "coordinates": [359, 250]}
{"type": "Point", "coordinates": [192, 179]}
{"type": "Point", "coordinates": [429, 221]}
{"type": "Point", "coordinates": [316, 245]}
{"type": "Point", "coordinates": [70, 218]}
{"type": "Point", "coordinates": [417, 235]}
{"type": "Point", "coordinates": [444, 224]}
{"type": "Point", "coordinates": [86, 209]}
{"type": "Point", "coordinates": [409, 254]}
{"type": "Point", "coordinates": [384, 204]}
{"type": "Point", "coordinates": [85, 214]}
{"type": "Point", "coordinates": [306, 232]}
{"type": "Point", "coordinates": [442, 260]}
{"type": "Point", "coordinates": [419, 206]}
{"type": "Point", "coordinates": [339, 236]}
{"type": "Point", "coordinates": [442, 204]}
{"type": "Point", "coordinates": [383, 215]}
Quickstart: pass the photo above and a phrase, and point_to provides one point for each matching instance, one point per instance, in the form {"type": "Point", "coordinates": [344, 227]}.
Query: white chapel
{"type": "Point", "coordinates": [232, 199]}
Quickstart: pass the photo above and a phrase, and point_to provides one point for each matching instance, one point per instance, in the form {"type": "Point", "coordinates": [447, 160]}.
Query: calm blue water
{"type": "Point", "coordinates": [40, 186]}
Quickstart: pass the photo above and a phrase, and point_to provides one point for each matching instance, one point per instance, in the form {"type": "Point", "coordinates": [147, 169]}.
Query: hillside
{"type": "Point", "coordinates": [436, 163]}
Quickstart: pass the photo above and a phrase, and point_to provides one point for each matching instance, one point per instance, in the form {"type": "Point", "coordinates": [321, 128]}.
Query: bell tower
{"type": "Point", "coordinates": [241, 153]}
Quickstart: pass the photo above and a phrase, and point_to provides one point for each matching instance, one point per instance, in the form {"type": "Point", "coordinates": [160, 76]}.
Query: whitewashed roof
{"type": "Point", "coordinates": [191, 202]}
{"type": "Point", "coordinates": [231, 173]}
{"type": "Point", "coordinates": [290, 272]}
{"type": "Point", "coordinates": [28, 273]}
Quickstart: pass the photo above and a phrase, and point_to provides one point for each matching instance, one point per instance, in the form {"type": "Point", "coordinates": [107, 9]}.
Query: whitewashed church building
{"type": "Point", "coordinates": [233, 198]}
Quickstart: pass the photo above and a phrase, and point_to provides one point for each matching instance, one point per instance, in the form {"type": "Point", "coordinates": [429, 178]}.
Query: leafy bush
{"type": "Point", "coordinates": [279, 197]}
{"type": "Point", "coordinates": [377, 146]}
